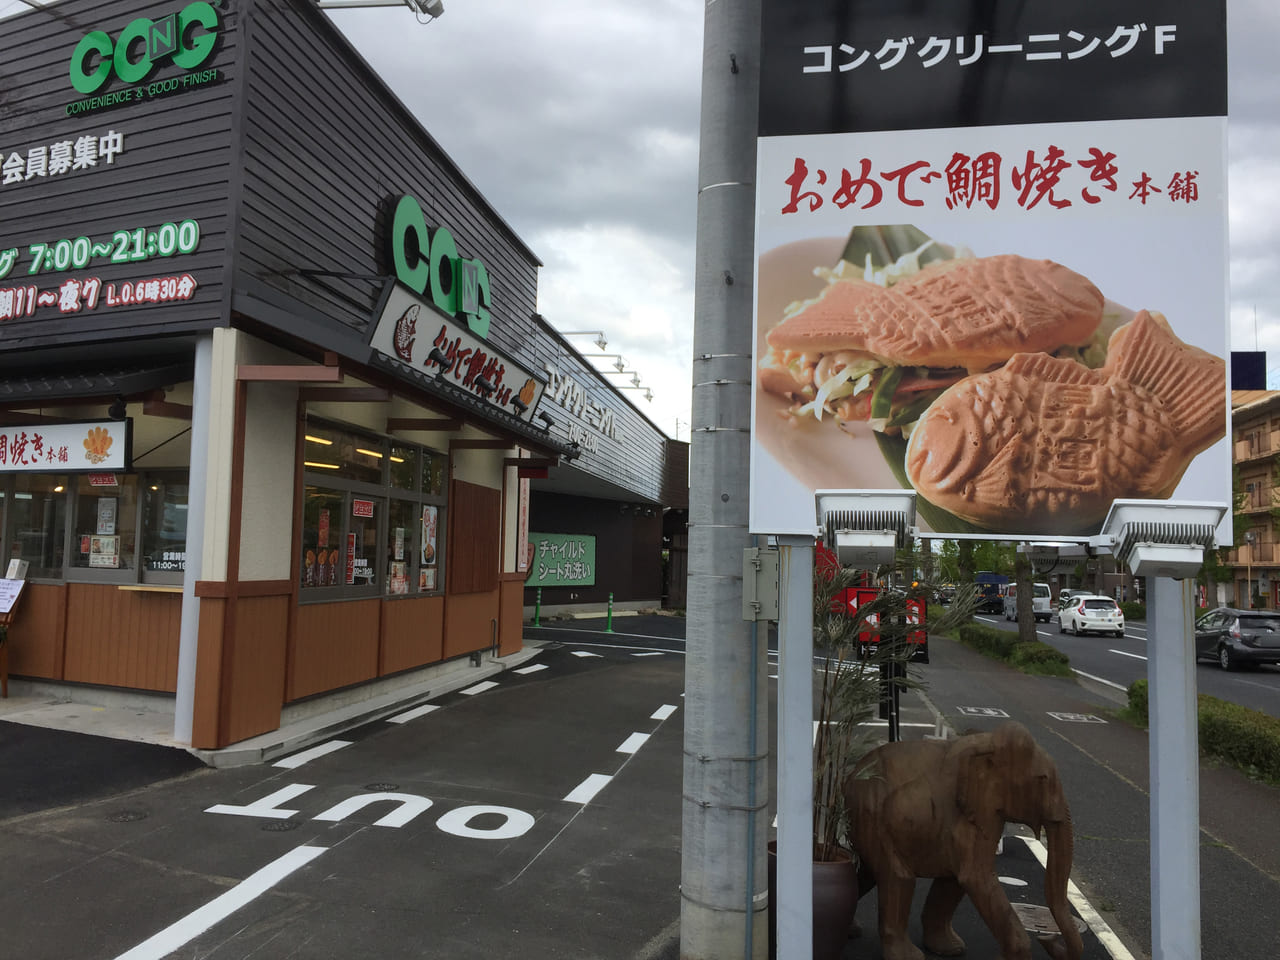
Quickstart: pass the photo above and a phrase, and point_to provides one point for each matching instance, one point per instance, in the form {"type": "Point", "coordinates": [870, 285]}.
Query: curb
{"type": "Point", "coordinates": [286, 740]}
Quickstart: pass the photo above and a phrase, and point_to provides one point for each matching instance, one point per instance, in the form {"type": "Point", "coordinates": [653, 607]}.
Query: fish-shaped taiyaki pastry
{"type": "Point", "coordinates": [1043, 445]}
{"type": "Point", "coordinates": [406, 328]}
{"type": "Point", "coordinates": [970, 313]}
{"type": "Point", "coordinates": [952, 318]}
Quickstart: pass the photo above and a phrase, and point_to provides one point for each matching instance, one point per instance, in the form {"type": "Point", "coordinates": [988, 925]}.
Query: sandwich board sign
{"type": "Point", "coordinates": [990, 260]}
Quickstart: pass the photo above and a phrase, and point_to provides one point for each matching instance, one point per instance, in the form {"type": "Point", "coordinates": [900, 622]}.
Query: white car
{"type": "Point", "coordinates": [1091, 613]}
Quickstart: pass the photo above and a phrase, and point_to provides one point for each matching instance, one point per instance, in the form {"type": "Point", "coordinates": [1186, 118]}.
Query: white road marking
{"type": "Point", "coordinates": [651, 653]}
{"type": "Point", "coordinates": [267, 806]}
{"type": "Point", "coordinates": [585, 792]}
{"type": "Point", "coordinates": [534, 669]}
{"type": "Point", "coordinates": [633, 743]}
{"type": "Point", "coordinates": [413, 714]}
{"type": "Point", "coordinates": [663, 712]}
{"type": "Point", "coordinates": [409, 805]}
{"type": "Point", "coordinates": [1126, 653]}
{"type": "Point", "coordinates": [1012, 881]}
{"type": "Point", "coordinates": [1076, 717]}
{"type": "Point", "coordinates": [1106, 936]}
{"type": "Point", "coordinates": [583, 653]}
{"type": "Point", "coordinates": [1109, 683]}
{"type": "Point", "coordinates": [178, 934]}
{"type": "Point", "coordinates": [516, 823]}
{"type": "Point", "coordinates": [480, 687]}
{"type": "Point", "coordinates": [298, 759]}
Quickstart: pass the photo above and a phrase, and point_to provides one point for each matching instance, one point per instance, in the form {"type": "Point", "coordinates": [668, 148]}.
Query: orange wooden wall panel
{"type": "Point", "coordinates": [475, 538]}
{"type": "Point", "coordinates": [204, 723]}
{"type": "Point", "coordinates": [334, 645]}
{"type": "Point", "coordinates": [511, 616]}
{"type": "Point", "coordinates": [253, 690]}
{"type": "Point", "coordinates": [468, 620]}
{"type": "Point", "coordinates": [412, 633]}
{"type": "Point", "coordinates": [122, 638]}
{"type": "Point", "coordinates": [38, 630]}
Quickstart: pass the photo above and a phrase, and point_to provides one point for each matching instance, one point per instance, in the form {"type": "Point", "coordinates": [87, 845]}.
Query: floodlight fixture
{"type": "Point", "coordinates": [866, 528]}
{"type": "Point", "coordinates": [1047, 558]}
{"type": "Point", "coordinates": [432, 8]}
{"type": "Point", "coordinates": [1162, 538]}
{"type": "Point", "coordinates": [618, 362]}
{"type": "Point", "coordinates": [600, 341]}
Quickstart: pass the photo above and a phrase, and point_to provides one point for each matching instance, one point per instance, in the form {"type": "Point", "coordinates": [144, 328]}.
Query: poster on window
{"type": "Point", "coordinates": [990, 260]}
{"type": "Point", "coordinates": [426, 579]}
{"type": "Point", "coordinates": [106, 515]}
{"type": "Point", "coordinates": [104, 552]}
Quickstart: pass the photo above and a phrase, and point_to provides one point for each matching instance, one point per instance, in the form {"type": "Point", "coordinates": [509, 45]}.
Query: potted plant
{"type": "Point", "coordinates": [853, 678]}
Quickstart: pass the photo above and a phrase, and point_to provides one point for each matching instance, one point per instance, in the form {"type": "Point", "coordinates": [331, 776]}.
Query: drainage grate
{"type": "Point", "coordinates": [279, 826]}
{"type": "Point", "coordinates": [128, 816]}
{"type": "Point", "coordinates": [381, 787]}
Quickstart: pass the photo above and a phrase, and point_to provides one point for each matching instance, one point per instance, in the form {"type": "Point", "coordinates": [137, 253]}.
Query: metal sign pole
{"type": "Point", "coordinates": [1164, 541]}
{"type": "Point", "coordinates": [794, 887]}
{"type": "Point", "coordinates": [1175, 772]}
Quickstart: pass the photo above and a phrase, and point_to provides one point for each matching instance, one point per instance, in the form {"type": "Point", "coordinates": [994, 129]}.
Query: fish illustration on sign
{"type": "Point", "coordinates": [406, 329]}
{"type": "Point", "coordinates": [1044, 443]}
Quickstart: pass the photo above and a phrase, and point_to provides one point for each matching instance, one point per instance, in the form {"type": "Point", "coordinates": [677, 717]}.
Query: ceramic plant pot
{"type": "Point", "coordinates": [835, 896]}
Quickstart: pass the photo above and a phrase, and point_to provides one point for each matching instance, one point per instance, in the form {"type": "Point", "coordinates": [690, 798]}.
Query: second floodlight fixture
{"type": "Point", "coordinates": [432, 8]}
{"type": "Point", "coordinates": [865, 528]}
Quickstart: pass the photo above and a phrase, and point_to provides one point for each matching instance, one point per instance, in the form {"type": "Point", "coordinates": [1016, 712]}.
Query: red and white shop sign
{"type": "Point", "coordinates": [351, 558]}
{"type": "Point", "coordinates": [362, 508]}
{"type": "Point", "coordinates": [103, 480]}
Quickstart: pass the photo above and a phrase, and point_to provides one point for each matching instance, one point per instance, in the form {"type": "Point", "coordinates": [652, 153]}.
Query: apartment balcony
{"type": "Point", "coordinates": [1261, 553]}
{"type": "Point", "coordinates": [1264, 445]}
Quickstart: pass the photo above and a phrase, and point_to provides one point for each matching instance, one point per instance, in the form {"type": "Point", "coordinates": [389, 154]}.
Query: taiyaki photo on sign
{"type": "Point", "coordinates": [1045, 444]}
{"type": "Point", "coordinates": [1011, 393]}
{"type": "Point", "coordinates": [863, 351]}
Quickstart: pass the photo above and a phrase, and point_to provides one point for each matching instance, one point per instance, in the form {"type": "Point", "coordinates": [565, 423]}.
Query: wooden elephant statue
{"type": "Point", "coordinates": [937, 808]}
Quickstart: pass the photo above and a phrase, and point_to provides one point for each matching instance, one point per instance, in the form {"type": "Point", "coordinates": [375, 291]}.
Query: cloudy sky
{"type": "Point", "coordinates": [578, 119]}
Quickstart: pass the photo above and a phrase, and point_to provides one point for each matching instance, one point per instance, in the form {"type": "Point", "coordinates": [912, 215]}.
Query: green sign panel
{"type": "Point", "coordinates": [186, 38]}
{"type": "Point", "coordinates": [562, 560]}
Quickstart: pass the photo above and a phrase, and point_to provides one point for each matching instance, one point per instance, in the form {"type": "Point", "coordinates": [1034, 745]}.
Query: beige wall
{"type": "Point", "coordinates": [266, 529]}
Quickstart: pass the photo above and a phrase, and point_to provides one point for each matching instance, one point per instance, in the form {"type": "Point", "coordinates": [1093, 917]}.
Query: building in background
{"type": "Point", "coordinates": [274, 391]}
{"type": "Point", "coordinates": [1255, 561]}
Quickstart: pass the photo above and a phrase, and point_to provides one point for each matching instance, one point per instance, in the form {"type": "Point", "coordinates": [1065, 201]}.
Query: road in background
{"type": "Point", "coordinates": [1119, 661]}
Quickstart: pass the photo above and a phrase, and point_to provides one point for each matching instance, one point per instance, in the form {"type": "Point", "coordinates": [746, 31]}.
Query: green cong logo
{"type": "Point", "coordinates": [187, 38]}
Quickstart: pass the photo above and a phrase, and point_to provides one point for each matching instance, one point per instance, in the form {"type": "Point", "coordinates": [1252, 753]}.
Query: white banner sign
{"type": "Point", "coordinates": [419, 336]}
{"type": "Point", "coordinates": [98, 446]}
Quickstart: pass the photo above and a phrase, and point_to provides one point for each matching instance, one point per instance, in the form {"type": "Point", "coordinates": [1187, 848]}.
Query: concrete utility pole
{"type": "Point", "coordinates": [724, 879]}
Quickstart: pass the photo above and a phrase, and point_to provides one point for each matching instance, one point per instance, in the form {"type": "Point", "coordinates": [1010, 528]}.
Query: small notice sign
{"type": "Point", "coordinates": [10, 590]}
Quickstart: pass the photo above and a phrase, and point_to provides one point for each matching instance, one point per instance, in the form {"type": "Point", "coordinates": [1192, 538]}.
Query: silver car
{"type": "Point", "coordinates": [1091, 613]}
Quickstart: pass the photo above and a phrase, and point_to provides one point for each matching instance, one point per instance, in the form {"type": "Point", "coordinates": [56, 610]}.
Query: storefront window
{"type": "Point", "coordinates": [164, 528]}
{"type": "Point", "coordinates": [322, 515]}
{"type": "Point", "coordinates": [404, 468]}
{"type": "Point", "coordinates": [106, 521]}
{"type": "Point", "coordinates": [402, 541]}
{"type": "Point", "coordinates": [362, 543]}
{"type": "Point", "coordinates": [38, 523]}
{"type": "Point", "coordinates": [368, 530]}
{"type": "Point", "coordinates": [435, 468]}
{"type": "Point", "coordinates": [343, 453]}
